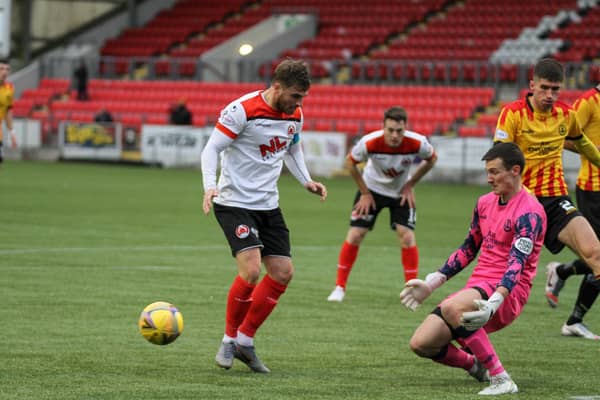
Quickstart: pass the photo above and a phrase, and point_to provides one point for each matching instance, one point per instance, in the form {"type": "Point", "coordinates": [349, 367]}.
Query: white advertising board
{"type": "Point", "coordinates": [324, 152]}
{"type": "Point", "coordinates": [173, 146]}
{"type": "Point", "coordinates": [28, 133]}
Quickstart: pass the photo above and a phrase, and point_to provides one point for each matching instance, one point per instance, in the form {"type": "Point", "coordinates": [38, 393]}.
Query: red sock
{"type": "Point", "coordinates": [410, 262]}
{"type": "Point", "coordinates": [239, 300]}
{"type": "Point", "coordinates": [264, 300]}
{"type": "Point", "coordinates": [456, 358]}
{"type": "Point", "coordinates": [348, 254]}
{"type": "Point", "coordinates": [481, 347]}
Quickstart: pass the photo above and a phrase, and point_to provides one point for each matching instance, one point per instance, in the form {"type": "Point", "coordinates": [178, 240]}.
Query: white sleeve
{"type": "Point", "coordinates": [294, 161]}
{"type": "Point", "coordinates": [210, 157]}
{"type": "Point", "coordinates": [359, 152]}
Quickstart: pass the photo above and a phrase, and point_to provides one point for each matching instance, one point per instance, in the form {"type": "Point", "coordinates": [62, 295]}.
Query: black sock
{"type": "Point", "coordinates": [588, 292]}
{"type": "Point", "coordinates": [577, 267]}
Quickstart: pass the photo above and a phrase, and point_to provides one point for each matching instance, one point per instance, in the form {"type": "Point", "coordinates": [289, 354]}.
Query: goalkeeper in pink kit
{"type": "Point", "coordinates": [507, 230]}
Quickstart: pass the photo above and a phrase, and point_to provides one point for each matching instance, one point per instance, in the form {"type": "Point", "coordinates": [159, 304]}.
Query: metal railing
{"type": "Point", "coordinates": [421, 72]}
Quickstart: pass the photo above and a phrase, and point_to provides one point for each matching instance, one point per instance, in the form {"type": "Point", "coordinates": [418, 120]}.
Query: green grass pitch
{"type": "Point", "coordinates": [84, 247]}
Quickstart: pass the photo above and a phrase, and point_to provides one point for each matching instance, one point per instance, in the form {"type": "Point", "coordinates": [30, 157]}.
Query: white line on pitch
{"type": "Point", "coordinates": [147, 248]}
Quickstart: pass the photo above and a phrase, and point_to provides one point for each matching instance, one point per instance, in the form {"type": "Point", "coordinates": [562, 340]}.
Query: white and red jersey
{"type": "Point", "coordinates": [252, 163]}
{"type": "Point", "coordinates": [388, 168]}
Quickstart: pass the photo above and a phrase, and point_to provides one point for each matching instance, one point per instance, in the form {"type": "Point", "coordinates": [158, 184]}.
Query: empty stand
{"type": "Point", "coordinates": [349, 29]}
{"type": "Point", "coordinates": [183, 32]}
{"type": "Point", "coordinates": [582, 38]}
{"type": "Point", "coordinates": [351, 109]}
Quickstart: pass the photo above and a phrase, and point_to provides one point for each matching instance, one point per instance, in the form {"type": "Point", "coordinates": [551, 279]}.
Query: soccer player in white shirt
{"type": "Point", "coordinates": [385, 183]}
{"type": "Point", "coordinates": [255, 135]}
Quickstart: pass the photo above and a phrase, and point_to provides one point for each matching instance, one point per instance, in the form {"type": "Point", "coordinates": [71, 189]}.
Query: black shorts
{"type": "Point", "coordinates": [559, 211]}
{"type": "Point", "coordinates": [588, 203]}
{"type": "Point", "coordinates": [246, 229]}
{"type": "Point", "coordinates": [399, 215]}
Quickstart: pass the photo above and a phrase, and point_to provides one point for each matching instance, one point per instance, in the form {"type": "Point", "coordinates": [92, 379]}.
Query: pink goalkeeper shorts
{"type": "Point", "coordinates": [510, 308]}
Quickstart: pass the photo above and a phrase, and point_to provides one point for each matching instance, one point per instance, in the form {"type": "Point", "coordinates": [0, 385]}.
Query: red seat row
{"type": "Point", "coordinates": [352, 109]}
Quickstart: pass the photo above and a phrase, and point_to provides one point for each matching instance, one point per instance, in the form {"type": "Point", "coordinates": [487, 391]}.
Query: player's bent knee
{"type": "Point", "coordinates": [416, 346]}
{"type": "Point", "coordinates": [422, 349]}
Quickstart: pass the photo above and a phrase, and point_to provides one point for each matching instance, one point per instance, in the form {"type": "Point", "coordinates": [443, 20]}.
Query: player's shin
{"type": "Point", "coordinates": [481, 347]}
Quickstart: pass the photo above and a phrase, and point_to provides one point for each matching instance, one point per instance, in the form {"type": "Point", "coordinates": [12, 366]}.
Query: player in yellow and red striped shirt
{"type": "Point", "coordinates": [6, 100]}
{"type": "Point", "coordinates": [539, 124]}
{"type": "Point", "coordinates": [587, 193]}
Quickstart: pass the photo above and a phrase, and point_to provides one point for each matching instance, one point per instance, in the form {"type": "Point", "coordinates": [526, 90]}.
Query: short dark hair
{"type": "Point", "coordinates": [4, 61]}
{"type": "Point", "coordinates": [396, 113]}
{"type": "Point", "coordinates": [292, 73]}
{"type": "Point", "coordinates": [508, 152]}
{"type": "Point", "coordinates": [550, 69]}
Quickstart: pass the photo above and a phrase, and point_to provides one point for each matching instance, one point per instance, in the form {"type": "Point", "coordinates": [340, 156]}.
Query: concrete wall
{"type": "Point", "coordinates": [268, 38]}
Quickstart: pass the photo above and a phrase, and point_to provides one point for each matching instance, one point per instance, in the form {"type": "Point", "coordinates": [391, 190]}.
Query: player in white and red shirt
{"type": "Point", "coordinates": [255, 135]}
{"type": "Point", "coordinates": [385, 182]}
{"type": "Point", "coordinates": [507, 230]}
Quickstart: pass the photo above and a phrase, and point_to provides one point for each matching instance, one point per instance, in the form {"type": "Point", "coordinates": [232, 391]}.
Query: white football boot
{"type": "Point", "coordinates": [500, 385]}
{"type": "Point", "coordinates": [580, 330]}
{"type": "Point", "coordinates": [337, 294]}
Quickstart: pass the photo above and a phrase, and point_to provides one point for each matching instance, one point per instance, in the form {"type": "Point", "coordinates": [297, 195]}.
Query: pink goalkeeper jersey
{"type": "Point", "coordinates": [509, 238]}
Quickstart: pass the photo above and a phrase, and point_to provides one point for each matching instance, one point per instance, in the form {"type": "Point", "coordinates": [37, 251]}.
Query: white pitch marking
{"type": "Point", "coordinates": [147, 248]}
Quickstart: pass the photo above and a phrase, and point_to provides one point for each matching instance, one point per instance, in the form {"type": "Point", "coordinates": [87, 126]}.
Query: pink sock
{"type": "Point", "coordinates": [482, 348]}
{"type": "Point", "coordinates": [456, 358]}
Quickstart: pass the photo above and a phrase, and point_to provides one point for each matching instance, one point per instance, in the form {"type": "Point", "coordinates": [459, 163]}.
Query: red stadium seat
{"type": "Point", "coordinates": [472, 131]}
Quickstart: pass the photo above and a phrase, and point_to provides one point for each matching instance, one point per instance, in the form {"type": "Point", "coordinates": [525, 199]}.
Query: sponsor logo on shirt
{"type": "Point", "coordinates": [392, 173]}
{"type": "Point", "coordinates": [543, 148]}
{"type": "Point", "coordinates": [490, 241]}
{"type": "Point", "coordinates": [274, 147]}
{"type": "Point", "coordinates": [500, 134]}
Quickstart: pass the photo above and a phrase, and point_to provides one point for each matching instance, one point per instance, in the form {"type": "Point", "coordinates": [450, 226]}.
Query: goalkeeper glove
{"type": "Point", "coordinates": [473, 320]}
{"type": "Point", "coordinates": [417, 290]}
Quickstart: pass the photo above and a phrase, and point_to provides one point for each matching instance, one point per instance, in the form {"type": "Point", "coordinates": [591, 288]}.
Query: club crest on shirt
{"type": "Point", "coordinates": [242, 231]}
{"type": "Point", "coordinates": [562, 130]}
{"type": "Point", "coordinates": [291, 130]}
{"type": "Point", "coordinates": [507, 225]}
